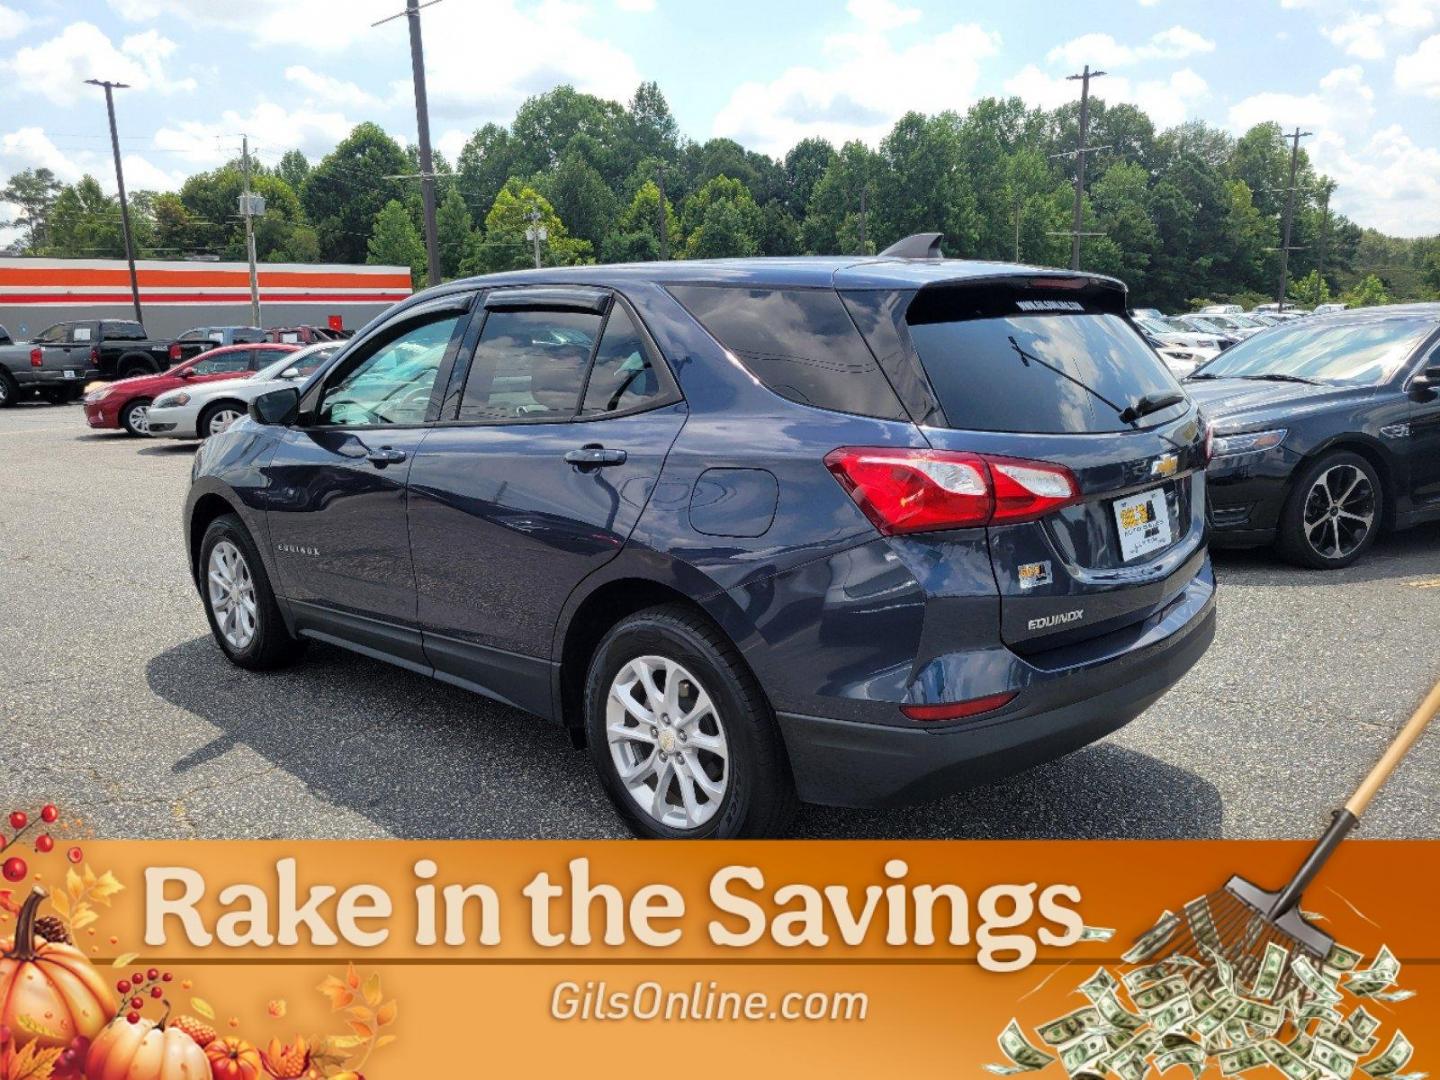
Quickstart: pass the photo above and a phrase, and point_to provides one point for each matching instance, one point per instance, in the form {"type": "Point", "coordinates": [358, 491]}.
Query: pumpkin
{"type": "Point", "coordinates": [233, 1059]}
{"type": "Point", "coordinates": [145, 1051]}
{"type": "Point", "coordinates": [49, 993]}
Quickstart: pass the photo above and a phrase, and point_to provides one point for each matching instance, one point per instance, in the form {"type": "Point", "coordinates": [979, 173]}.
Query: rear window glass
{"type": "Point", "coordinates": [798, 342]}
{"type": "Point", "coordinates": [123, 331]}
{"type": "Point", "coordinates": [529, 365]}
{"type": "Point", "coordinates": [1047, 371]}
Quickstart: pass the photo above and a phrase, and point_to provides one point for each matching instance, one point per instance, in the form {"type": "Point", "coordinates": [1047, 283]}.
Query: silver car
{"type": "Point", "coordinates": [197, 412]}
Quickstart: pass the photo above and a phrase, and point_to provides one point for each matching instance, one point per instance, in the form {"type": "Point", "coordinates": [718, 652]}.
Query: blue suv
{"type": "Point", "coordinates": [850, 531]}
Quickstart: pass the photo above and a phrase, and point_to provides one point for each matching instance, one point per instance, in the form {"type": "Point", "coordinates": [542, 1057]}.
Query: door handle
{"type": "Point", "coordinates": [386, 455]}
{"type": "Point", "coordinates": [595, 457]}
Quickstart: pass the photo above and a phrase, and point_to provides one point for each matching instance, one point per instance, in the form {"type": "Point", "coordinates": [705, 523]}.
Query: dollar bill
{"type": "Point", "coordinates": [1173, 1015]}
{"type": "Point", "coordinates": [1213, 1019]}
{"type": "Point", "coordinates": [1102, 982]}
{"type": "Point", "coordinates": [1302, 1044]}
{"type": "Point", "coordinates": [1160, 994]}
{"type": "Point", "coordinates": [1267, 1017]}
{"type": "Point", "coordinates": [1223, 971]}
{"type": "Point", "coordinates": [1335, 1060]}
{"type": "Point", "coordinates": [1361, 1022]}
{"type": "Point", "coordinates": [1191, 1056]}
{"type": "Point", "coordinates": [1313, 981]}
{"type": "Point", "coordinates": [1396, 1056]}
{"type": "Point", "coordinates": [1272, 966]}
{"type": "Point", "coordinates": [1287, 1061]}
{"type": "Point", "coordinates": [1346, 1038]}
{"type": "Point", "coordinates": [1378, 976]}
{"type": "Point", "coordinates": [1391, 996]}
{"type": "Point", "coordinates": [1241, 1059]}
{"type": "Point", "coordinates": [1153, 940]}
{"type": "Point", "coordinates": [1148, 973]}
{"type": "Point", "coordinates": [1083, 1052]}
{"type": "Point", "coordinates": [1342, 959]}
{"type": "Point", "coordinates": [1069, 1027]}
{"type": "Point", "coordinates": [1097, 933]}
{"type": "Point", "coordinates": [1115, 1014]}
{"type": "Point", "coordinates": [1023, 1056]}
{"type": "Point", "coordinates": [1202, 923]}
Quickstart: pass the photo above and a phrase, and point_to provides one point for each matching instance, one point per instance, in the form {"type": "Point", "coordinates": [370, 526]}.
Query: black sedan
{"type": "Point", "coordinates": [1326, 431]}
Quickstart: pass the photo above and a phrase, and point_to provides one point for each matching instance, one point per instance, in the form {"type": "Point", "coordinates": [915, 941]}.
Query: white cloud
{"type": "Point", "coordinates": [451, 142]}
{"type": "Point", "coordinates": [328, 90]}
{"type": "Point", "coordinates": [32, 148]}
{"type": "Point", "coordinates": [1343, 104]}
{"type": "Point", "coordinates": [637, 6]}
{"type": "Point", "coordinates": [59, 67]}
{"type": "Point", "coordinates": [1167, 102]}
{"type": "Point", "coordinates": [272, 128]}
{"type": "Point", "coordinates": [882, 15]}
{"type": "Point", "coordinates": [1103, 51]}
{"type": "Point", "coordinates": [1419, 72]}
{"type": "Point", "coordinates": [1411, 14]}
{"type": "Point", "coordinates": [1359, 36]}
{"type": "Point", "coordinates": [865, 85]}
{"type": "Point", "coordinates": [323, 25]}
{"type": "Point", "coordinates": [1386, 181]}
{"type": "Point", "coordinates": [12, 22]}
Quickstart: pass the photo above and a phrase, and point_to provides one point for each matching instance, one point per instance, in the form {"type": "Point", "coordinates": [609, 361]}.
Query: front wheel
{"type": "Point", "coordinates": [239, 602]}
{"type": "Point", "coordinates": [135, 417]}
{"type": "Point", "coordinates": [9, 390]}
{"type": "Point", "coordinates": [1333, 513]}
{"type": "Point", "coordinates": [216, 418]}
{"type": "Point", "coordinates": [681, 734]}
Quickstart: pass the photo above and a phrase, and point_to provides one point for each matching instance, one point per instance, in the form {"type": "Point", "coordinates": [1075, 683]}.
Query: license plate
{"type": "Point", "coordinates": [69, 374]}
{"type": "Point", "coordinates": [1144, 522]}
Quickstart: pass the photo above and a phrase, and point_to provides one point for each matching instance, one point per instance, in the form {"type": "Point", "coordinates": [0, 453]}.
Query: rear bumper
{"type": "Point", "coordinates": [850, 763]}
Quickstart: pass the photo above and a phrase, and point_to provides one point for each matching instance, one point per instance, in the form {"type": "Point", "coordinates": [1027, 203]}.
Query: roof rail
{"type": "Point", "coordinates": [924, 245]}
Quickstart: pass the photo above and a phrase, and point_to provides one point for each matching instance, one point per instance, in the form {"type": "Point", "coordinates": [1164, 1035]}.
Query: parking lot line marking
{"type": "Point", "coordinates": [1432, 583]}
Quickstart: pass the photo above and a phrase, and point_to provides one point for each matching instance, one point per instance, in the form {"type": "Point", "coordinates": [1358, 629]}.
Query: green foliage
{"type": "Point", "coordinates": [1368, 292]}
{"type": "Point", "coordinates": [84, 223]}
{"type": "Point", "coordinates": [396, 242]}
{"type": "Point", "coordinates": [294, 168]}
{"type": "Point", "coordinates": [721, 220]}
{"type": "Point", "coordinates": [506, 245]}
{"type": "Point", "coordinates": [34, 192]}
{"type": "Point", "coordinates": [349, 187]}
{"type": "Point", "coordinates": [455, 232]}
{"type": "Point", "coordinates": [1310, 290]}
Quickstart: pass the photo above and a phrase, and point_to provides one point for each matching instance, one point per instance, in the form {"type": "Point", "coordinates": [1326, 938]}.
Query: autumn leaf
{"type": "Point", "coordinates": [105, 888]}
{"type": "Point", "coordinates": [361, 1013]}
{"type": "Point", "coordinates": [386, 1013]}
{"type": "Point", "coordinates": [203, 1007]}
{"type": "Point", "coordinates": [33, 1063]}
{"type": "Point", "coordinates": [124, 959]}
{"type": "Point", "coordinates": [365, 1031]}
{"type": "Point", "coordinates": [83, 917]}
{"type": "Point", "coordinates": [352, 977]}
{"type": "Point", "coordinates": [35, 1027]}
{"type": "Point", "coordinates": [372, 990]}
{"type": "Point", "coordinates": [384, 1040]}
{"type": "Point", "coordinates": [341, 1043]}
{"type": "Point", "coordinates": [61, 903]}
{"type": "Point", "coordinates": [73, 884]}
{"type": "Point", "coordinates": [339, 994]}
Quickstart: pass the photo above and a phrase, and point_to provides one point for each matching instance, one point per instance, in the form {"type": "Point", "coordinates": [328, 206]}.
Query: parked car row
{"type": "Point", "coordinates": [59, 364]}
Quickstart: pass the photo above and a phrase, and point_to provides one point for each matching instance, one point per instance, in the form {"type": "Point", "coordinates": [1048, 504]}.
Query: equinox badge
{"type": "Point", "coordinates": [1047, 621]}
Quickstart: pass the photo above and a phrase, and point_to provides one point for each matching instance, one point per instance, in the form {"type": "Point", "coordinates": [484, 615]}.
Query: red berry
{"type": "Point", "coordinates": [137, 1003]}
{"type": "Point", "coordinates": [123, 986]}
{"type": "Point", "coordinates": [49, 813]}
{"type": "Point", "coordinates": [19, 819]}
{"type": "Point", "coordinates": [157, 993]}
{"type": "Point", "coordinates": [152, 974]}
{"type": "Point", "coordinates": [166, 977]}
{"type": "Point", "coordinates": [75, 854]}
{"type": "Point", "coordinates": [44, 843]}
{"type": "Point", "coordinates": [15, 869]}
{"type": "Point", "coordinates": [133, 1017]}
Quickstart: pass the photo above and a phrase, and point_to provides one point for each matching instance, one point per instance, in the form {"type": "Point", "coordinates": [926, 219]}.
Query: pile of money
{"type": "Point", "coordinates": [1199, 1011]}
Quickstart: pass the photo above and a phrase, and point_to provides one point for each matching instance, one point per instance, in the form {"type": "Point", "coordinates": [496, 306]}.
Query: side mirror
{"type": "Point", "coordinates": [187, 373]}
{"type": "Point", "coordinates": [1424, 385]}
{"type": "Point", "coordinates": [290, 373]}
{"type": "Point", "coordinates": [277, 408]}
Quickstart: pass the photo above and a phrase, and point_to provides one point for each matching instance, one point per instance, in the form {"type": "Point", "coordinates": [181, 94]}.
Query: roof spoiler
{"type": "Point", "coordinates": [925, 245]}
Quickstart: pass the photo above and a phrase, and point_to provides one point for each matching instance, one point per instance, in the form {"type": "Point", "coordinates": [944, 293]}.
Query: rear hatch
{"type": "Point", "coordinates": [1047, 368]}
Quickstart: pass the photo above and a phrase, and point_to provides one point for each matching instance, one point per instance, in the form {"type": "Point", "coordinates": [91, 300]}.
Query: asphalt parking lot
{"type": "Point", "coordinates": [114, 702]}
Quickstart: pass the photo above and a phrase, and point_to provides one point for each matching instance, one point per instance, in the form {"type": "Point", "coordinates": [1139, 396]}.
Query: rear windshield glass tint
{"type": "Point", "coordinates": [1054, 373]}
{"type": "Point", "coordinates": [798, 342]}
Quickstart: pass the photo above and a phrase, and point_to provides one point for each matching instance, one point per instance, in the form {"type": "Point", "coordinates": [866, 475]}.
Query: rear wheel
{"type": "Point", "coordinates": [219, 416]}
{"type": "Point", "coordinates": [1333, 513]}
{"type": "Point", "coordinates": [135, 417]}
{"type": "Point", "coordinates": [681, 733]}
{"type": "Point", "coordinates": [239, 602]}
{"type": "Point", "coordinates": [9, 391]}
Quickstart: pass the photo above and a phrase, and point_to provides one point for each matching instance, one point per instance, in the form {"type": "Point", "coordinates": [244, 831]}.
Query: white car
{"type": "Point", "coordinates": [197, 412]}
{"type": "Point", "coordinates": [1177, 336]}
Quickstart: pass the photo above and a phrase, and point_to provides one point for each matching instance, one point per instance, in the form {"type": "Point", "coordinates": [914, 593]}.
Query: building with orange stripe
{"type": "Point", "coordinates": [175, 296]}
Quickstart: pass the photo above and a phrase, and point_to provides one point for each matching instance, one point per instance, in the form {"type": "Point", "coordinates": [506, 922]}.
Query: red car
{"type": "Point", "coordinates": [124, 404]}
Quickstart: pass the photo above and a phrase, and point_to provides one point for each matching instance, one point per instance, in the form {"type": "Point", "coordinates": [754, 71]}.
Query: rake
{"type": "Point", "coordinates": [1239, 921]}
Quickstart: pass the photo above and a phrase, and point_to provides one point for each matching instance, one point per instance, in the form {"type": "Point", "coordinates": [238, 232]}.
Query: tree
{"type": "Point", "coordinates": [294, 168]}
{"type": "Point", "coordinates": [1120, 200]}
{"type": "Point", "coordinates": [396, 242]}
{"type": "Point", "coordinates": [650, 127]}
{"type": "Point", "coordinates": [1311, 290]}
{"type": "Point", "coordinates": [832, 216]}
{"type": "Point", "coordinates": [545, 125]}
{"type": "Point", "coordinates": [456, 232]}
{"type": "Point", "coordinates": [212, 200]}
{"type": "Point", "coordinates": [84, 223]}
{"type": "Point", "coordinates": [34, 191]}
{"type": "Point", "coordinates": [1369, 292]}
{"type": "Point", "coordinates": [349, 187]}
{"type": "Point", "coordinates": [637, 232]}
{"type": "Point", "coordinates": [805, 164]}
{"type": "Point", "coordinates": [921, 187]}
{"type": "Point", "coordinates": [580, 196]}
{"type": "Point", "coordinates": [721, 220]}
{"type": "Point", "coordinates": [506, 245]}
{"type": "Point", "coordinates": [486, 161]}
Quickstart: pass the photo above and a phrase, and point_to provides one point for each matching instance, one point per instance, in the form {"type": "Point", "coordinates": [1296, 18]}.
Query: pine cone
{"type": "Point", "coordinates": [52, 929]}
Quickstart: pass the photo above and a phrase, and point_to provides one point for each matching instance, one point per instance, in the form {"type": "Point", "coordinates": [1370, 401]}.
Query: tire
{"type": "Point", "coordinates": [9, 390]}
{"type": "Point", "coordinates": [1333, 512]}
{"type": "Point", "coordinates": [214, 411]}
{"type": "Point", "coordinates": [738, 782]}
{"type": "Point", "coordinates": [55, 395]}
{"type": "Point", "coordinates": [133, 418]}
{"type": "Point", "coordinates": [239, 576]}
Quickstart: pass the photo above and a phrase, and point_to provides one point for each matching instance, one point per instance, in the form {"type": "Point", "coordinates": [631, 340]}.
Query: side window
{"type": "Point", "coordinates": [391, 385]}
{"type": "Point", "coordinates": [529, 365]}
{"type": "Point", "coordinates": [249, 335]}
{"type": "Point", "coordinates": [215, 364]}
{"type": "Point", "coordinates": [192, 335]}
{"type": "Point", "coordinates": [51, 334]}
{"type": "Point", "coordinates": [798, 342]}
{"type": "Point", "coordinates": [622, 376]}
{"type": "Point", "coordinates": [81, 332]}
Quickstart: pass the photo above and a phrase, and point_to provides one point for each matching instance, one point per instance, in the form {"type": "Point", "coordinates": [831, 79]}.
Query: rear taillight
{"type": "Point", "coordinates": [95, 355]}
{"type": "Point", "coordinates": [909, 491]}
{"type": "Point", "coordinates": [36, 358]}
{"type": "Point", "coordinates": [1209, 442]}
{"type": "Point", "coordinates": [175, 353]}
{"type": "Point", "coordinates": [957, 710]}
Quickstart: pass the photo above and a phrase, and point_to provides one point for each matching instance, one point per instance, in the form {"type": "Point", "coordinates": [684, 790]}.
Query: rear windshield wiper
{"type": "Point", "coordinates": [1280, 376]}
{"type": "Point", "coordinates": [1028, 357]}
{"type": "Point", "coordinates": [1150, 403]}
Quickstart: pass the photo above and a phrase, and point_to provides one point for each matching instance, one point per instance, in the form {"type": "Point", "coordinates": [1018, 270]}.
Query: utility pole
{"type": "Point", "coordinates": [1080, 150]}
{"type": "Point", "coordinates": [120, 184]}
{"type": "Point", "coordinates": [664, 224]}
{"type": "Point", "coordinates": [422, 124]}
{"type": "Point", "coordinates": [247, 209]}
{"type": "Point", "coordinates": [864, 246]}
{"type": "Point", "coordinates": [1294, 138]}
{"type": "Point", "coordinates": [535, 233]}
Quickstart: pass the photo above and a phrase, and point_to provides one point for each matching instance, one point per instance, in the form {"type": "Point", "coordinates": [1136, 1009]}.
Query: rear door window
{"type": "Point", "coordinates": [623, 376]}
{"type": "Point", "coordinates": [999, 366]}
{"type": "Point", "coordinates": [800, 343]}
{"type": "Point", "coordinates": [529, 365]}
{"type": "Point", "coordinates": [214, 364]}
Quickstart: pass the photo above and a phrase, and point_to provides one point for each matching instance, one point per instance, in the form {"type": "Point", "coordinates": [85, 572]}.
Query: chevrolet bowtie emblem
{"type": "Point", "coordinates": [1166, 465]}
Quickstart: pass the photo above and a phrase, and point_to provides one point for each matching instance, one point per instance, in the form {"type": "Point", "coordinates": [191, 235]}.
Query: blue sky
{"type": "Point", "coordinates": [1364, 75]}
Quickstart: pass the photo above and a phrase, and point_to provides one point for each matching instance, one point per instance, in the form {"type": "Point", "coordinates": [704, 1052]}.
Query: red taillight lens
{"type": "Point", "coordinates": [958, 710]}
{"type": "Point", "coordinates": [909, 491]}
{"type": "Point", "coordinates": [36, 358]}
{"type": "Point", "coordinates": [175, 353]}
{"type": "Point", "coordinates": [95, 355]}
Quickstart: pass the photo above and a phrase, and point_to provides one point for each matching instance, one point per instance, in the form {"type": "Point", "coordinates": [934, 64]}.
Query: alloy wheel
{"type": "Point", "coordinates": [1339, 511]}
{"type": "Point", "coordinates": [667, 742]}
{"type": "Point", "coordinates": [232, 595]}
{"type": "Point", "coordinates": [140, 419]}
{"type": "Point", "coordinates": [222, 420]}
